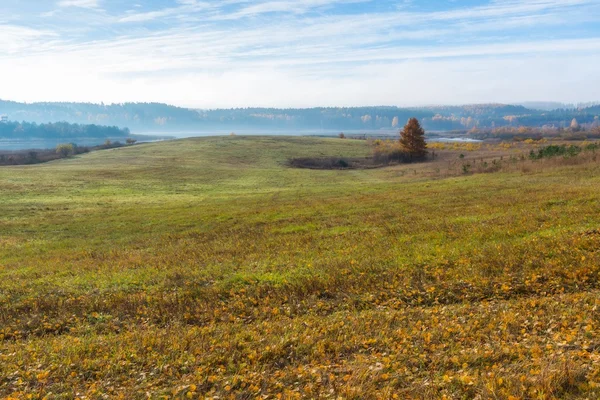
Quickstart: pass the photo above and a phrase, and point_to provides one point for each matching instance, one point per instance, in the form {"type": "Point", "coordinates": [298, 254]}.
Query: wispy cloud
{"type": "Point", "coordinates": [17, 40]}
{"type": "Point", "coordinates": [79, 3]}
{"type": "Point", "coordinates": [288, 6]}
{"type": "Point", "coordinates": [303, 52]}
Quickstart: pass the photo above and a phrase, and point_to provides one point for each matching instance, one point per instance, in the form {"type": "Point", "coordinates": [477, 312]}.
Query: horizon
{"type": "Point", "coordinates": [525, 104]}
{"type": "Point", "coordinates": [300, 54]}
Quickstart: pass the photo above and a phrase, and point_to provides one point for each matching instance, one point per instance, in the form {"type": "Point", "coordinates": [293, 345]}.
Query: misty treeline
{"type": "Point", "coordinates": [497, 116]}
{"type": "Point", "coordinates": [122, 115]}
{"type": "Point", "coordinates": [574, 131]}
{"type": "Point", "coordinates": [57, 130]}
{"type": "Point", "coordinates": [161, 117]}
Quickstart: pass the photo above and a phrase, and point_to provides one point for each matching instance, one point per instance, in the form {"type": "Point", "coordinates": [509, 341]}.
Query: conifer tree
{"type": "Point", "coordinates": [412, 139]}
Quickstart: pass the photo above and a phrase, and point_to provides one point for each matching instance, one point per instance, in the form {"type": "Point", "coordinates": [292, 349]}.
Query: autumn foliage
{"type": "Point", "coordinates": [412, 139]}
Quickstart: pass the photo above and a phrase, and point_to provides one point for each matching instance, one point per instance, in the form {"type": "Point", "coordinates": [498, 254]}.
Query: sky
{"type": "Point", "coordinates": [300, 53]}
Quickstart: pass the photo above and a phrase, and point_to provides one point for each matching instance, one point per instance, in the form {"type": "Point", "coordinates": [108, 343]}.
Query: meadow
{"type": "Point", "coordinates": [210, 268]}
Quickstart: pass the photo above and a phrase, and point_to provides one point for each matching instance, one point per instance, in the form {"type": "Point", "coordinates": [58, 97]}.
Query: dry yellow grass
{"type": "Point", "coordinates": [206, 267]}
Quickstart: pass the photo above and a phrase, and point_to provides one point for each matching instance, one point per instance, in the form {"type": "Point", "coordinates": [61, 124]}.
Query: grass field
{"type": "Point", "coordinates": [208, 268]}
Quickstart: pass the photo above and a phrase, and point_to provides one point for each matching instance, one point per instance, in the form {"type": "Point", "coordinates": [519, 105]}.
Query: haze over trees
{"type": "Point", "coordinates": [64, 130]}
{"type": "Point", "coordinates": [154, 117]}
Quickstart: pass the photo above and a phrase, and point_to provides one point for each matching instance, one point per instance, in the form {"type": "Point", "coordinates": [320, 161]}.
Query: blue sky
{"type": "Point", "coordinates": [284, 53]}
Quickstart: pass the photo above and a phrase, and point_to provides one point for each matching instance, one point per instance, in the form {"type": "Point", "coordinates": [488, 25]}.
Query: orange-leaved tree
{"type": "Point", "coordinates": [412, 139]}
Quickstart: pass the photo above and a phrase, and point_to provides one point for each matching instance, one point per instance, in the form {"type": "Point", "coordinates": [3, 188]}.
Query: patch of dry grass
{"type": "Point", "coordinates": [208, 267]}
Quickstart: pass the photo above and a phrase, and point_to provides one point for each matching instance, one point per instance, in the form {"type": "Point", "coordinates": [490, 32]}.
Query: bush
{"type": "Point", "coordinates": [555, 151]}
{"type": "Point", "coordinates": [387, 152]}
{"type": "Point", "coordinates": [324, 163]}
{"type": "Point", "coordinates": [393, 156]}
{"type": "Point", "coordinates": [592, 147]}
{"type": "Point", "coordinates": [65, 149]}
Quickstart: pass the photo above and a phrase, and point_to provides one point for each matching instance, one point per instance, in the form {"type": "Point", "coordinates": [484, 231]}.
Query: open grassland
{"type": "Point", "coordinates": [208, 268]}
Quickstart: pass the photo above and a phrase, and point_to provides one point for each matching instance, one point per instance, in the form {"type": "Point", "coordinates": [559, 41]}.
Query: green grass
{"type": "Point", "coordinates": [208, 266]}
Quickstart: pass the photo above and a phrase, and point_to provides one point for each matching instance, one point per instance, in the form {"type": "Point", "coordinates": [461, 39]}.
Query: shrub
{"type": "Point", "coordinates": [325, 163]}
{"type": "Point", "coordinates": [592, 147]}
{"type": "Point", "coordinates": [342, 163]}
{"type": "Point", "coordinates": [554, 151]}
{"type": "Point", "coordinates": [387, 152]}
{"type": "Point", "coordinates": [65, 149]}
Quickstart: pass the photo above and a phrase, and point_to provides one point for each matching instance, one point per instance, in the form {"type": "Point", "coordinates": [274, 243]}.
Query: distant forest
{"type": "Point", "coordinates": [154, 117]}
{"type": "Point", "coordinates": [59, 130]}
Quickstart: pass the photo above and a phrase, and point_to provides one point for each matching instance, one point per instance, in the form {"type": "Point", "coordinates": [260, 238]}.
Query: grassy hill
{"type": "Point", "coordinates": [208, 267]}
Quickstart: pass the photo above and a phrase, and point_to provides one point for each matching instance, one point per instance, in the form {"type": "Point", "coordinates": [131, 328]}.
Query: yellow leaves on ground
{"type": "Point", "coordinates": [270, 282]}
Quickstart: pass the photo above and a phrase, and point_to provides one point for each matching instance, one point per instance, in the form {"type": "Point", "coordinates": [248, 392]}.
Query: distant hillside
{"type": "Point", "coordinates": [155, 117]}
{"type": "Point", "coordinates": [356, 118]}
{"type": "Point", "coordinates": [486, 116]}
{"type": "Point", "coordinates": [58, 130]}
{"type": "Point", "coordinates": [595, 110]}
{"type": "Point", "coordinates": [138, 116]}
{"type": "Point", "coordinates": [481, 110]}
{"type": "Point", "coordinates": [545, 105]}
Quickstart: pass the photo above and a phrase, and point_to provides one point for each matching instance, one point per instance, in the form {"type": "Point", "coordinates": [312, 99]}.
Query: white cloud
{"type": "Point", "coordinates": [215, 9]}
{"type": "Point", "coordinates": [302, 57]}
{"type": "Point", "coordinates": [79, 3]}
{"type": "Point", "coordinates": [414, 82]}
{"type": "Point", "coordinates": [287, 6]}
{"type": "Point", "coordinates": [15, 40]}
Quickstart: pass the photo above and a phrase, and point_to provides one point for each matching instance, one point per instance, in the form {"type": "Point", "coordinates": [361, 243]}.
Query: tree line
{"type": "Point", "coordinates": [58, 130]}
{"type": "Point", "coordinates": [157, 117]}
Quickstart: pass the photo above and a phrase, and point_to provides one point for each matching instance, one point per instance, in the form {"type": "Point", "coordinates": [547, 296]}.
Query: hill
{"type": "Point", "coordinates": [208, 267]}
{"type": "Point", "coordinates": [58, 130]}
{"type": "Point", "coordinates": [490, 116]}
{"type": "Point", "coordinates": [545, 105]}
{"type": "Point", "coordinates": [15, 136]}
{"type": "Point", "coordinates": [138, 116]}
{"type": "Point", "coordinates": [153, 117]}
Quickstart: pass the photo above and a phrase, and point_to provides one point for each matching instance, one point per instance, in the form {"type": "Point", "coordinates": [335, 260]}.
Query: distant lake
{"type": "Point", "coordinates": [436, 136]}
{"type": "Point", "coordinates": [41, 144]}
{"type": "Point", "coordinates": [33, 144]}
{"type": "Point", "coordinates": [269, 132]}
{"type": "Point", "coordinates": [454, 140]}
